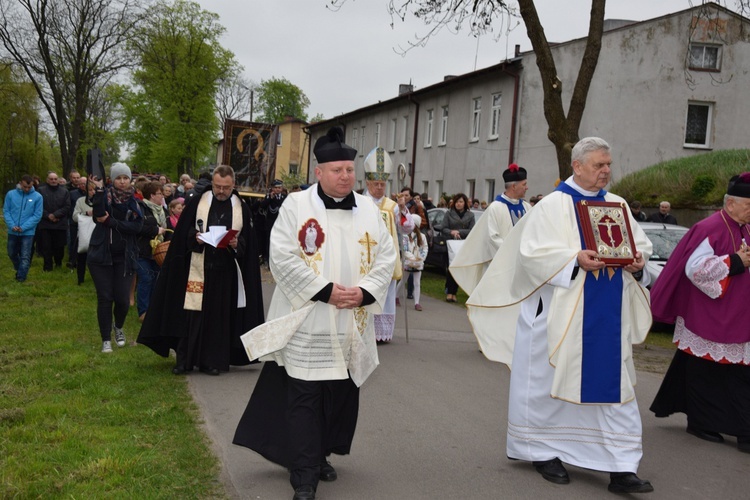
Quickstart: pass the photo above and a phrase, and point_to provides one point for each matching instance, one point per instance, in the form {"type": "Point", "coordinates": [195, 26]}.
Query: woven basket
{"type": "Point", "coordinates": [159, 249]}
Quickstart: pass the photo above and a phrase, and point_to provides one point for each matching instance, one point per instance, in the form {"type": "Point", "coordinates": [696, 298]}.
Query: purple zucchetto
{"type": "Point", "coordinates": [739, 185]}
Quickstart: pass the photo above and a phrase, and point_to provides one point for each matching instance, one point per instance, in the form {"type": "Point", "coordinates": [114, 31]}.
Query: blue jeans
{"type": "Point", "coordinates": [19, 251]}
{"type": "Point", "coordinates": [147, 271]}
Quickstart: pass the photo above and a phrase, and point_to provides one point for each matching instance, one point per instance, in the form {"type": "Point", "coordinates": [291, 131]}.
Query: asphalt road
{"type": "Point", "coordinates": [432, 424]}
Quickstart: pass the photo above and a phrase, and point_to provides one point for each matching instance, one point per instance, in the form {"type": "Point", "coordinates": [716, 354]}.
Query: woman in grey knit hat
{"type": "Point", "coordinates": [113, 251]}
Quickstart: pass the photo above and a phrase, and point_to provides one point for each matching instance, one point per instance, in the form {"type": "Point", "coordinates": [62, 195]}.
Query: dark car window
{"type": "Point", "coordinates": [664, 242]}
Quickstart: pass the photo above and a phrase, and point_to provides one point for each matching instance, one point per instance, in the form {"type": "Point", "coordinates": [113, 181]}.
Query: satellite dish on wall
{"type": "Point", "coordinates": [401, 171]}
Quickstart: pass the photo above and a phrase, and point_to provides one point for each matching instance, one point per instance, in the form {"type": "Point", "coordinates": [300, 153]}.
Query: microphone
{"type": "Point", "coordinates": [200, 225]}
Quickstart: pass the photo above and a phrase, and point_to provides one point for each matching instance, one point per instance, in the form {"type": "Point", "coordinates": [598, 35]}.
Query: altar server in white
{"type": "Point", "coordinates": [493, 226]}
{"type": "Point", "coordinates": [573, 321]}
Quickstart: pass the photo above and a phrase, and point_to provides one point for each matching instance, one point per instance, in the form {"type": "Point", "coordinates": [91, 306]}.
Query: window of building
{"type": "Point", "coordinates": [355, 137]}
{"type": "Point", "coordinates": [377, 135]}
{"type": "Point", "coordinates": [476, 117]}
{"type": "Point", "coordinates": [704, 56]}
{"type": "Point", "coordinates": [392, 135]}
{"type": "Point", "coordinates": [278, 138]}
{"type": "Point", "coordinates": [443, 128]}
{"type": "Point", "coordinates": [490, 189]}
{"type": "Point", "coordinates": [293, 168]}
{"type": "Point", "coordinates": [425, 187]}
{"type": "Point", "coordinates": [698, 124]}
{"type": "Point", "coordinates": [428, 128]}
{"type": "Point", "coordinates": [438, 192]}
{"type": "Point", "coordinates": [495, 124]}
{"type": "Point", "coordinates": [404, 130]}
{"type": "Point", "coordinates": [470, 186]}
{"type": "Point", "coordinates": [362, 143]}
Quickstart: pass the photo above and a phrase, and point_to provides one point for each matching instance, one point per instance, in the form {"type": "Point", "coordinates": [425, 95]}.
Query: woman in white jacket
{"type": "Point", "coordinates": [413, 253]}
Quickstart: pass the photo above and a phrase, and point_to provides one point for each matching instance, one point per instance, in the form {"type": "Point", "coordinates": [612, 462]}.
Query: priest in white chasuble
{"type": "Point", "coordinates": [566, 324]}
{"type": "Point", "coordinates": [332, 258]}
{"type": "Point", "coordinates": [378, 168]}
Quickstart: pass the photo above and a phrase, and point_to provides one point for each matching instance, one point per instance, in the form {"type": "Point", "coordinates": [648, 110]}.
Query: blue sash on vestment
{"type": "Point", "coordinates": [602, 324]}
{"type": "Point", "coordinates": [516, 210]}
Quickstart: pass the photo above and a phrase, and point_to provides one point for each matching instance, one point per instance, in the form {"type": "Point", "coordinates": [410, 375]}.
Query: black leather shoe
{"type": "Point", "coordinates": [210, 371]}
{"type": "Point", "coordinates": [714, 437]}
{"type": "Point", "coordinates": [628, 482]}
{"type": "Point", "coordinates": [304, 492]}
{"type": "Point", "coordinates": [179, 370]}
{"type": "Point", "coordinates": [327, 472]}
{"type": "Point", "coordinates": [553, 471]}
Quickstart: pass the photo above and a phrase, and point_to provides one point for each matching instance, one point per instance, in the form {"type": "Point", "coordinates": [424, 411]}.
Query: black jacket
{"type": "Point", "coordinates": [56, 201]}
{"type": "Point", "coordinates": [119, 230]}
{"type": "Point", "coordinates": [664, 219]}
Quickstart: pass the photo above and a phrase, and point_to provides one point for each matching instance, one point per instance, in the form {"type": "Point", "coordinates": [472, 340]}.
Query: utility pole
{"type": "Point", "coordinates": [252, 102]}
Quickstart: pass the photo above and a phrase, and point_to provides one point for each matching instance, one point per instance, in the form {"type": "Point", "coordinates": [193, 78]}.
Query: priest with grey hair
{"type": "Point", "coordinates": [566, 320]}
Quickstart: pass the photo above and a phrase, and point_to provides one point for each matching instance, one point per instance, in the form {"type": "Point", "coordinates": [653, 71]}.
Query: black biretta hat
{"type": "Point", "coordinates": [739, 185]}
{"type": "Point", "coordinates": [514, 173]}
{"type": "Point", "coordinates": [331, 147]}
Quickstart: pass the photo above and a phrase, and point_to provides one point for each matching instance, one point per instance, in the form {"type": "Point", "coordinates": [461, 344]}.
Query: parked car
{"type": "Point", "coordinates": [664, 238]}
{"type": "Point", "coordinates": [438, 250]}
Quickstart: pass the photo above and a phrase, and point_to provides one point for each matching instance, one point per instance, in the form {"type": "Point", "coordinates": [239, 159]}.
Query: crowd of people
{"type": "Point", "coordinates": [564, 315]}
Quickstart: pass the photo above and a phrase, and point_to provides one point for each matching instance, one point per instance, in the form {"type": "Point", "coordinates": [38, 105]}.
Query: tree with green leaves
{"type": "Point", "coordinates": [67, 49]}
{"type": "Point", "coordinates": [169, 116]}
{"type": "Point", "coordinates": [24, 149]}
{"type": "Point", "coordinates": [279, 98]}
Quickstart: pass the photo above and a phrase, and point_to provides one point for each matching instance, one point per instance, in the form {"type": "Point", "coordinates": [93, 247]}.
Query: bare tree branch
{"type": "Point", "coordinates": [67, 49]}
{"type": "Point", "coordinates": [233, 98]}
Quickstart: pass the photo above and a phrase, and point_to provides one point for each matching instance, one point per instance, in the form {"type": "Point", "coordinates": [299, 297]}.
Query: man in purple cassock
{"type": "Point", "coordinates": [703, 290]}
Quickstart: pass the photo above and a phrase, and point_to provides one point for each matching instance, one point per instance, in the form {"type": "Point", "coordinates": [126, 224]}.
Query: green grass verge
{"type": "Point", "coordinates": [77, 423]}
{"type": "Point", "coordinates": [433, 285]}
{"type": "Point", "coordinates": [695, 182]}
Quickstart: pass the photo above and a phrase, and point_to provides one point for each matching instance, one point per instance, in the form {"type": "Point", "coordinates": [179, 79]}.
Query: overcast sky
{"type": "Point", "coordinates": [348, 59]}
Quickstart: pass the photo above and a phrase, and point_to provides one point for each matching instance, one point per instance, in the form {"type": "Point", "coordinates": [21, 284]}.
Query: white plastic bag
{"type": "Point", "coordinates": [86, 226]}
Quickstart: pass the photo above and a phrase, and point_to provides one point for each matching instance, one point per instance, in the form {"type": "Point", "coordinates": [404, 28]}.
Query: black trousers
{"type": "Point", "coordinates": [714, 396]}
{"type": "Point", "coordinates": [316, 413]}
{"type": "Point", "coordinates": [451, 287]}
{"type": "Point", "coordinates": [73, 243]}
{"type": "Point", "coordinates": [112, 289]}
{"type": "Point", "coordinates": [297, 423]}
{"type": "Point", "coordinates": [81, 266]}
{"type": "Point", "coordinates": [52, 244]}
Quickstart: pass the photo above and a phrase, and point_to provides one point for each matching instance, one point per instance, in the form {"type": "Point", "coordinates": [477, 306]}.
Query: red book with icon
{"type": "Point", "coordinates": [606, 230]}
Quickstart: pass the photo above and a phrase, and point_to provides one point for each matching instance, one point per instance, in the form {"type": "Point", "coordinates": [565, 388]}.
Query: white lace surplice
{"type": "Point", "coordinates": [706, 271]}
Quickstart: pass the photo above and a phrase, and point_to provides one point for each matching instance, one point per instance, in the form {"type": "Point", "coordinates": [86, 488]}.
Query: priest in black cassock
{"type": "Point", "coordinates": [206, 296]}
{"type": "Point", "coordinates": [332, 258]}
